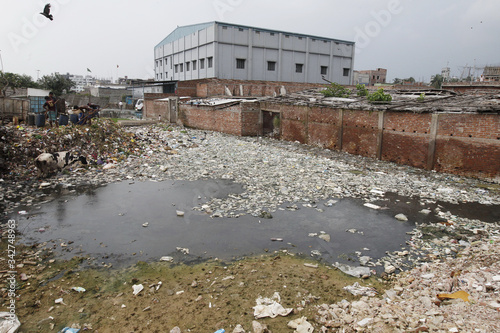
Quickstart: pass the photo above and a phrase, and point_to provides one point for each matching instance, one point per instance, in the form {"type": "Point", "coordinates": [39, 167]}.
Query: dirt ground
{"type": "Point", "coordinates": [203, 297]}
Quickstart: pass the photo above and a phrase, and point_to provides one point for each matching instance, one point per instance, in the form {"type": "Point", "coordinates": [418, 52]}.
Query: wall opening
{"type": "Point", "coordinates": [271, 123]}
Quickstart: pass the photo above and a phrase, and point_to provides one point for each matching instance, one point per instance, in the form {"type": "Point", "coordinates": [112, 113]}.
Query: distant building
{"type": "Point", "coordinates": [491, 73]}
{"type": "Point", "coordinates": [361, 78]}
{"type": "Point", "coordinates": [229, 51]}
{"type": "Point", "coordinates": [446, 73]}
{"type": "Point", "coordinates": [376, 76]}
{"type": "Point", "coordinates": [81, 82]}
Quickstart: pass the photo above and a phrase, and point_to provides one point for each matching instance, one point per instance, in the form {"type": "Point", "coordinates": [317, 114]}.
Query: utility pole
{"type": "Point", "coordinates": [37, 74]}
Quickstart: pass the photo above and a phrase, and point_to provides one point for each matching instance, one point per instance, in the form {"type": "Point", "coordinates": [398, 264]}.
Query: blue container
{"type": "Point", "coordinates": [63, 119]}
{"type": "Point", "coordinates": [40, 120]}
{"type": "Point", "coordinates": [73, 118]}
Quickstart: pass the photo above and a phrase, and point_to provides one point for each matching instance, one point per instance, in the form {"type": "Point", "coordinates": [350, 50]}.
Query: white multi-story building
{"type": "Point", "coordinates": [81, 82]}
{"type": "Point", "coordinates": [229, 51]}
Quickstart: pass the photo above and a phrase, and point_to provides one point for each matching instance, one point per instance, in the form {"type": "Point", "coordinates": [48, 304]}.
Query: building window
{"type": "Point", "coordinates": [177, 68]}
{"type": "Point", "coordinates": [240, 29]}
{"type": "Point", "coordinates": [161, 76]}
{"type": "Point", "coordinates": [181, 67]}
{"type": "Point", "coordinates": [202, 63]}
{"type": "Point", "coordinates": [287, 36]}
{"type": "Point", "coordinates": [187, 66]}
{"type": "Point", "coordinates": [378, 77]}
{"type": "Point", "coordinates": [161, 62]}
{"type": "Point", "coordinates": [271, 65]}
{"type": "Point", "coordinates": [156, 63]}
{"type": "Point", "coordinates": [313, 40]}
{"type": "Point", "coordinates": [210, 61]}
{"type": "Point", "coordinates": [194, 65]}
{"type": "Point", "coordinates": [166, 75]}
{"type": "Point", "coordinates": [299, 68]}
{"type": "Point", "coordinates": [324, 70]}
{"type": "Point", "coordinates": [257, 32]}
{"type": "Point", "coordinates": [224, 27]}
{"type": "Point", "coordinates": [346, 71]}
{"type": "Point", "coordinates": [240, 63]}
{"type": "Point", "coordinates": [166, 61]}
{"type": "Point", "coordinates": [300, 38]}
{"type": "Point", "coordinates": [272, 33]}
{"type": "Point", "coordinates": [157, 76]}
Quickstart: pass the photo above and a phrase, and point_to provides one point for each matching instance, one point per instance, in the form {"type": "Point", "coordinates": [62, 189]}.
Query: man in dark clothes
{"type": "Point", "coordinates": [50, 110]}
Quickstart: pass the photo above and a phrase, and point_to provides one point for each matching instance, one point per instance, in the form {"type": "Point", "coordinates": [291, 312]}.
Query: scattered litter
{"type": "Point", "coordinates": [22, 212]}
{"type": "Point", "coordinates": [238, 329]}
{"type": "Point", "coordinates": [270, 307]}
{"type": "Point", "coordinates": [353, 271]}
{"type": "Point", "coordinates": [277, 239]}
{"type": "Point", "coordinates": [69, 330]}
{"type": "Point", "coordinates": [301, 325]}
{"type": "Point", "coordinates": [23, 277]}
{"type": "Point", "coordinates": [179, 213]}
{"type": "Point", "coordinates": [137, 288]}
{"type": "Point", "coordinates": [459, 294]}
{"type": "Point", "coordinates": [401, 217]}
{"type": "Point", "coordinates": [358, 290]}
{"type": "Point", "coordinates": [182, 250]}
{"type": "Point", "coordinates": [311, 265]}
{"type": "Point", "coordinates": [78, 289]}
{"type": "Point", "coordinates": [325, 237]}
{"type": "Point", "coordinates": [59, 301]}
{"type": "Point", "coordinates": [220, 331]}
{"type": "Point", "coordinates": [145, 224]}
{"type": "Point", "coordinates": [370, 205]}
{"type": "Point", "coordinates": [315, 253]}
{"type": "Point", "coordinates": [9, 322]}
{"type": "Point", "coordinates": [167, 258]}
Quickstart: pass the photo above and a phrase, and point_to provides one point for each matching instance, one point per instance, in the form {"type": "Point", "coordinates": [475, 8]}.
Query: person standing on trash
{"type": "Point", "coordinates": [50, 110]}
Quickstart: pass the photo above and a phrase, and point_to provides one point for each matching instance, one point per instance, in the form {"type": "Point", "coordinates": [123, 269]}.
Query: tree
{"type": "Point", "coordinates": [14, 81]}
{"type": "Point", "coordinates": [397, 81]}
{"type": "Point", "coordinates": [56, 83]}
{"type": "Point", "coordinates": [437, 81]}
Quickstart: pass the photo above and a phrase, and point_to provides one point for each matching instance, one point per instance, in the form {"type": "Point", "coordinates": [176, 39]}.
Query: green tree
{"type": "Point", "coordinates": [56, 83]}
{"type": "Point", "coordinates": [397, 81]}
{"type": "Point", "coordinates": [15, 81]}
{"type": "Point", "coordinates": [437, 81]}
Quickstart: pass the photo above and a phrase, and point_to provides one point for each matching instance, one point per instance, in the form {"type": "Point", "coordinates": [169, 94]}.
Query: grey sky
{"type": "Point", "coordinates": [408, 37]}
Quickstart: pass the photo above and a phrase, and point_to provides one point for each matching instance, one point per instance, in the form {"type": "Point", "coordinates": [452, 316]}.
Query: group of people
{"type": "Point", "coordinates": [85, 113]}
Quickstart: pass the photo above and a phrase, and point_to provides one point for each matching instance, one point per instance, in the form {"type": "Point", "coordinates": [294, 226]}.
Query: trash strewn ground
{"type": "Point", "coordinates": [454, 254]}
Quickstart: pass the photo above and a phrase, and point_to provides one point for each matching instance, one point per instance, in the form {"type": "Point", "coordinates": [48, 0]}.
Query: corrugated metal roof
{"type": "Point", "coordinates": [183, 31]}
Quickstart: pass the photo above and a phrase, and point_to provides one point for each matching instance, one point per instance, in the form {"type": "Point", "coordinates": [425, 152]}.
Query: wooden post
{"type": "Point", "coordinates": [380, 133]}
{"type": "Point", "coordinates": [341, 128]}
{"type": "Point", "coordinates": [432, 142]}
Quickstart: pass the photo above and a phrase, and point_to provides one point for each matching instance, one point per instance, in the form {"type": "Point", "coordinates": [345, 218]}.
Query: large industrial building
{"type": "Point", "coordinates": [228, 51]}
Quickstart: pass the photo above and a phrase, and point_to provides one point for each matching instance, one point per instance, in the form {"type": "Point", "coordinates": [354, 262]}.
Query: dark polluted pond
{"type": "Point", "coordinates": [107, 223]}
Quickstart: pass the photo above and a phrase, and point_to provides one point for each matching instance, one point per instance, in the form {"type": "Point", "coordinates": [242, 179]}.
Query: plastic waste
{"type": "Point", "coordinates": [78, 289]}
{"type": "Point", "coordinates": [270, 307]}
{"type": "Point", "coordinates": [137, 288]}
{"type": "Point", "coordinates": [9, 322]}
{"type": "Point", "coordinates": [220, 331]}
{"type": "Point", "coordinates": [69, 330]}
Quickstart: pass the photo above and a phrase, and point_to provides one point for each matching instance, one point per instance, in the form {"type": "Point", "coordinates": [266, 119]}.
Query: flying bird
{"type": "Point", "coordinates": [46, 12]}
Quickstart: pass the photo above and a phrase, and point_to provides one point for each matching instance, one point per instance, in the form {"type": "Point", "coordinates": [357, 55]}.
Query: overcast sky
{"type": "Point", "coordinates": [407, 37]}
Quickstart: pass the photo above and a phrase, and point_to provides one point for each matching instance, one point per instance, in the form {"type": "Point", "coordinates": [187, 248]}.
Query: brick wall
{"type": "Point", "coordinates": [464, 144]}
{"type": "Point", "coordinates": [237, 119]}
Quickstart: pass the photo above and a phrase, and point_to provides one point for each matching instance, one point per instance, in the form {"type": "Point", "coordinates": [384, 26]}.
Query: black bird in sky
{"type": "Point", "coordinates": [46, 12]}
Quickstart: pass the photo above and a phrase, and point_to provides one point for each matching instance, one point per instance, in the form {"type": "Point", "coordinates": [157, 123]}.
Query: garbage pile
{"type": "Point", "coordinates": [445, 295]}
{"type": "Point", "coordinates": [20, 145]}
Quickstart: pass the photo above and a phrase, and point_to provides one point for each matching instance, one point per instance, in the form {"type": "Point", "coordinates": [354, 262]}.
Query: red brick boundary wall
{"type": "Point", "coordinates": [237, 118]}
{"type": "Point", "coordinates": [464, 144]}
